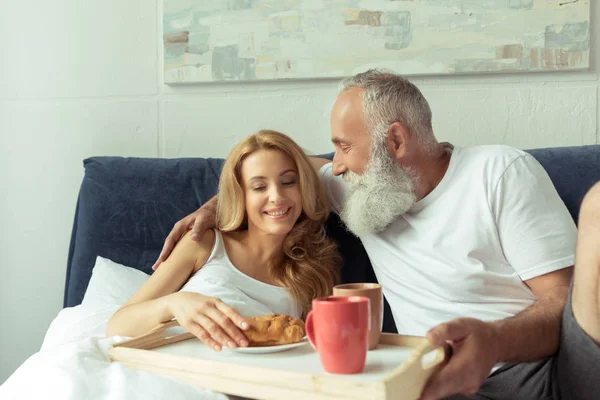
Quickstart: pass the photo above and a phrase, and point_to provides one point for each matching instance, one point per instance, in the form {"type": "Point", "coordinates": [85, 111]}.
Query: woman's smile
{"type": "Point", "coordinates": [278, 213]}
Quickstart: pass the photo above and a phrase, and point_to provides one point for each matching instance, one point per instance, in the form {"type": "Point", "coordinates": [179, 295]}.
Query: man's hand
{"type": "Point", "coordinates": [474, 345]}
{"type": "Point", "coordinates": [198, 221]}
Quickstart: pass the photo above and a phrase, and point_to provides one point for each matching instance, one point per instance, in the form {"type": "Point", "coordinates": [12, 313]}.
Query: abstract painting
{"type": "Point", "coordinates": [247, 40]}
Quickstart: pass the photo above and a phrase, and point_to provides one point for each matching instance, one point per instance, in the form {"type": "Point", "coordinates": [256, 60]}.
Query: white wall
{"type": "Point", "coordinates": [83, 78]}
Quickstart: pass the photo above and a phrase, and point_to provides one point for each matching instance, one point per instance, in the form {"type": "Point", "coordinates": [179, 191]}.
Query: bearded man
{"type": "Point", "coordinates": [473, 247]}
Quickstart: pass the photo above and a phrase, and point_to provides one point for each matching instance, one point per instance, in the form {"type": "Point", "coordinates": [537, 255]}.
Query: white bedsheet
{"type": "Point", "coordinates": [73, 364]}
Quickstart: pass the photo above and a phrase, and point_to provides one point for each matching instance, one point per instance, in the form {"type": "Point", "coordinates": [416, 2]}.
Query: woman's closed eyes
{"type": "Point", "coordinates": [261, 188]}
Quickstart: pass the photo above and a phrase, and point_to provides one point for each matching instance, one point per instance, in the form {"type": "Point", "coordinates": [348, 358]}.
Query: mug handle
{"type": "Point", "coordinates": [310, 330]}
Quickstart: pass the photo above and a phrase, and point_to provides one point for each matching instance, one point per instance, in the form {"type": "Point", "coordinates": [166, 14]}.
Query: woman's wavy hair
{"type": "Point", "coordinates": [311, 263]}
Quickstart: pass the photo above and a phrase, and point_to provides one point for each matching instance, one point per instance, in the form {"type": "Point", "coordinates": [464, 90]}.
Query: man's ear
{"type": "Point", "coordinates": [398, 140]}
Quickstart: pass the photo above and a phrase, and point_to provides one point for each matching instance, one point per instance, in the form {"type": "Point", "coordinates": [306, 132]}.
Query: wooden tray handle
{"type": "Point", "coordinates": [441, 356]}
{"type": "Point", "coordinates": [155, 337]}
{"type": "Point", "coordinates": [411, 377]}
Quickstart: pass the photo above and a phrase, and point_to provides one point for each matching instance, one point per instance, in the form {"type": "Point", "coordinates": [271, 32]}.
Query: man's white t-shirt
{"type": "Point", "coordinates": [494, 221]}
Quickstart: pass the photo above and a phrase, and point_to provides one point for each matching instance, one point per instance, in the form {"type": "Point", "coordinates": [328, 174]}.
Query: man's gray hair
{"type": "Point", "coordinates": [389, 98]}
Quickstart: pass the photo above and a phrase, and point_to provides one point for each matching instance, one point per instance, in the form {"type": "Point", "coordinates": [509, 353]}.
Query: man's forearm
{"type": "Point", "coordinates": [533, 333]}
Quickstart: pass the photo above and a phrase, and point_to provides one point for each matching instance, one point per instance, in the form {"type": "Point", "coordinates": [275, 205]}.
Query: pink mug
{"type": "Point", "coordinates": [338, 329]}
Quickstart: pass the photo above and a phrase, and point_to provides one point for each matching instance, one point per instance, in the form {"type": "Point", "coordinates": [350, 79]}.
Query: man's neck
{"type": "Point", "coordinates": [431, 169]}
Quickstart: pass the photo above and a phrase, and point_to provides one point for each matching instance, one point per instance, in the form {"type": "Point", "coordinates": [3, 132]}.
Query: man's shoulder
{"type": "Point", "coordinates": [493, 152]}
{"type": "Point", "coordinates": [492, 157]}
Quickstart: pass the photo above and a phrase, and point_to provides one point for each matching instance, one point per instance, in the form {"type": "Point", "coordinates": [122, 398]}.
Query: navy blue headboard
{"type": "Point", "coordinates": [127, 206]}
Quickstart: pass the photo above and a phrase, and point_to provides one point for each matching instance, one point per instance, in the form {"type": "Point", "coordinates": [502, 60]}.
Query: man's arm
{"type": "Point", "coordinates": [199, 221]}
{"type": "Point", "coordinates": [477, 346]}
{"type": "Point", "coordinates": [534, 333]}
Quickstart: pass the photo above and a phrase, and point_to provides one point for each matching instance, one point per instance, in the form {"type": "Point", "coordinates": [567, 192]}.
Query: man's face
{"type": "Point", "coordinates": [349, 133]}
{"type": "Point", "coordinates": [383, 192]}
{"type": "Point", "coordinates": [380, 188]}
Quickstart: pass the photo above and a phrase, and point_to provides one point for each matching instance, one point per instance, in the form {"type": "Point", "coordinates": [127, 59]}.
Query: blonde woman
{"type": "Point", "coordinates": [269, 253]}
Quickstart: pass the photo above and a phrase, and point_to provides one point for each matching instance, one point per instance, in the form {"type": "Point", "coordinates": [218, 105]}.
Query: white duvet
{"type": "Point", "coordinates": [73, 364]}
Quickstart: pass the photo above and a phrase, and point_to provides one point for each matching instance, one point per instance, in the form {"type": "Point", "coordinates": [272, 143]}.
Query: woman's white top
{"type": "Point", "coordinates": [250, 297]}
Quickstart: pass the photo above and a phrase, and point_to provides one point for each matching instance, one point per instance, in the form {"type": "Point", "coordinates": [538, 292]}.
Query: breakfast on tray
{"type": "Point", "coordinates": [274, 330]}
{"type": "Point", "coordinates": [337, 328]}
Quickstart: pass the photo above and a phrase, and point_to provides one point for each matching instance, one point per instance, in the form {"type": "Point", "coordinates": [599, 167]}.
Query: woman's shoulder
{"type": "Point", "coordinates": [201, 248]}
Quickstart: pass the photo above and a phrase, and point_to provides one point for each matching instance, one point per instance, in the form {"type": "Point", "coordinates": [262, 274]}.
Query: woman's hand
{"type": "Point", "coordinates": [211, 320]}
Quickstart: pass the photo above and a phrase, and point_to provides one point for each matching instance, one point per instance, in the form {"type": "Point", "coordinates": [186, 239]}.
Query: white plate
{"type": "Point", "coordinates": [270, 349]}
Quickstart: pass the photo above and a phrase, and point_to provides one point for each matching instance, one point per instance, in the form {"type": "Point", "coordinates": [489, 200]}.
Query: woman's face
{"type": "Point", "coordinates": [272, 190]}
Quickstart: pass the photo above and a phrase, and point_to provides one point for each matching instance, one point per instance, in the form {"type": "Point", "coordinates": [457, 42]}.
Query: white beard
{"type": "Point", "coordinates": [376, 198]}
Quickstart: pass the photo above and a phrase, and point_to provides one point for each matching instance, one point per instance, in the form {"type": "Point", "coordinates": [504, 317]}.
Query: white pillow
{"type": "Point", "coordinates": [112, 283]}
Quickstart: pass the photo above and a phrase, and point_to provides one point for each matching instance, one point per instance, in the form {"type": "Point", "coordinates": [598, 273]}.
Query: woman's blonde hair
{"type": "Point", "coordinates": [311, 262]}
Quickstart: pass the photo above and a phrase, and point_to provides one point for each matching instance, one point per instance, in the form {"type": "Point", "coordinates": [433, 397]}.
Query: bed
{"type": "Point", "coordinates": [125, 209]}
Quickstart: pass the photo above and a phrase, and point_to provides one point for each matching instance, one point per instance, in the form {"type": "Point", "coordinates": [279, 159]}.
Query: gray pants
{"type": "Point", "coordinates": [572, 373]}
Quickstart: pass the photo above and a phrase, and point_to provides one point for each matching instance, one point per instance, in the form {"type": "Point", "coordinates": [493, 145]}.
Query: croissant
{"type": "Point", "coordinates": [273, 330]}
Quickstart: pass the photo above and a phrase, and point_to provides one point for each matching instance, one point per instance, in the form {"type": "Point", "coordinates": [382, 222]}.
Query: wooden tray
{"type": "Point", "coordinates": [397, 369]}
